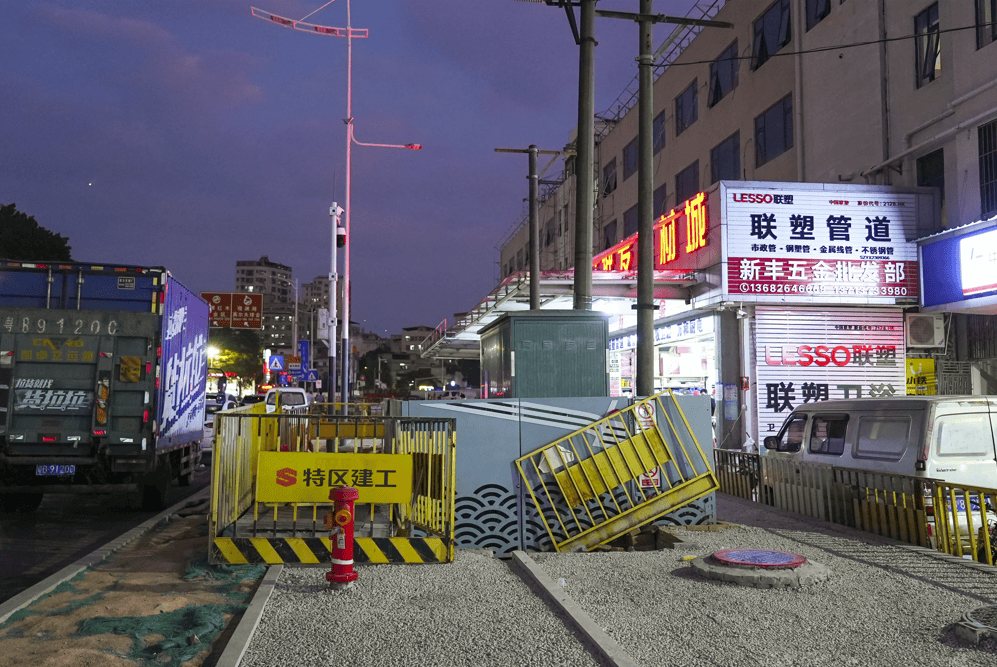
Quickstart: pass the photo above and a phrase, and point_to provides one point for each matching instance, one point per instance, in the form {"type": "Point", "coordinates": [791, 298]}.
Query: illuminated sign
{"type": "Point", "coordinates": [691, 220]}
{"type": "Point", "coordinates": [806, 245]}
{"type": "Point", "coordinates": [978, 263]}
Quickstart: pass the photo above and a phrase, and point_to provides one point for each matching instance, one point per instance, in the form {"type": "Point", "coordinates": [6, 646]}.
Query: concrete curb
{"type": "Point", "coordinates": [26, 597]}
{"type": "Point", "coordinates": [534, 577]}
{"type": "Point", "coordinates": [237, 644]}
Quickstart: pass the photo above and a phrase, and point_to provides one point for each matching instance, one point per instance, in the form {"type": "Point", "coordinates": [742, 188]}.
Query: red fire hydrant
{"type": "Point", "coordinates": [340, 524]}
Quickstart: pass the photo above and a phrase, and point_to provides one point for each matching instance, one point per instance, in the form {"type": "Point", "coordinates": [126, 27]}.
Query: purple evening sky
{"type": "Point", "coordinates": [188, 134]}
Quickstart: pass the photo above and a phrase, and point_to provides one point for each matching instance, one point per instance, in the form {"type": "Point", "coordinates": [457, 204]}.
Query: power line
{"type": "Point", "coordinates": [822, 49]}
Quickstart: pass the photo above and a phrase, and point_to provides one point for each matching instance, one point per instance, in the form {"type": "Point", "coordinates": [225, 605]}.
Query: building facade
{"type": "Point", "coordinates": [274, 281]}
{"type": "Point", "coordinates": [889, 94]}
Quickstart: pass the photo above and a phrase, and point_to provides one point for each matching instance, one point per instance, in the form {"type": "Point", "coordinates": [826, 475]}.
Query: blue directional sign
{"type": "Point", "coordinates": [303, 352]}
{"type": "Point", "coordinates": [277, 362]}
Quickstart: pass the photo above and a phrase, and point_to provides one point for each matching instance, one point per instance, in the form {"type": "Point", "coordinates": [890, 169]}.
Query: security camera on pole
{"type": "Point", "coordinates": [338, 241]}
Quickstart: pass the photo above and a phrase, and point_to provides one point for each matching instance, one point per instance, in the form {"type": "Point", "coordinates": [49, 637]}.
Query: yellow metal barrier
{"type": "Point", "coordinates": [281, 467]}
{"type": "Point", "coordinates": [965, 521]}
{"type": "Point", "coordinates": [616, 474]}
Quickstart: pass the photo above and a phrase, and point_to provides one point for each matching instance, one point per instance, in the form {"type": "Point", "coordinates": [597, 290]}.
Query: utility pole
{"type": "Point", "coordinates": [534, 223]}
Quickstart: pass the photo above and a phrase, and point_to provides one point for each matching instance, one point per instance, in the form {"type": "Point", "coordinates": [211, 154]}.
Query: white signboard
{"type": "Point", "coordinates": [805, 355]}
{"type": "Point", "coordinates": [785, 245]}
{"type": "Point", "coordinates": [978, 263]}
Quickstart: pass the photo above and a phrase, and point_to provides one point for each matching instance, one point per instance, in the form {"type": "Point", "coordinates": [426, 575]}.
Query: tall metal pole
{"type": "Point", "coordinates": [534, 230]}
{"type": "Point", "coordinates": [645, 205]}
{"type": "Point", "coordinates": [345, 361]}
{"type": "Point", "coordinates": [585, 144]}
{"type": "Point", "coordinates": [333, 340]}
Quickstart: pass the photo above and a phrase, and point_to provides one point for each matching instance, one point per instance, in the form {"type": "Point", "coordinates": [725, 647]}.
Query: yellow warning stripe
{"type": "Point", "coordinates": [315, 551]}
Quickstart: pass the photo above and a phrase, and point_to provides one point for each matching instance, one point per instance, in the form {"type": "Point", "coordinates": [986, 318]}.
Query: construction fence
{"type": "Point", "coordinates": [957, 520]}
{"type": "Point", "coordinates": [273, 473]}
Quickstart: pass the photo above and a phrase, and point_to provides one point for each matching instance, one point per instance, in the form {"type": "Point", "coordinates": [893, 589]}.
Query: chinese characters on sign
{"type": "Point", "coordinates": [238, 310]}
{"type": "Point", "coordinates": [689, 222]}
{"type": "Point", "coordinates": [307, 477]}
{"type": "Point", "coordinates": [812, 244]}
{"type": "Point", "coordinates": [807, 355]}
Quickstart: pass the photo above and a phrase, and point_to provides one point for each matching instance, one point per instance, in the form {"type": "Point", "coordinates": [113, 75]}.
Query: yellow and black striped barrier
{"type": "Point", "coordinates": [315, 550]}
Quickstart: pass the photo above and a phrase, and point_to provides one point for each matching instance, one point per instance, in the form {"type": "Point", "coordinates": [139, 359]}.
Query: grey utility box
{"type": "Point", "coordinates": [545, 354]}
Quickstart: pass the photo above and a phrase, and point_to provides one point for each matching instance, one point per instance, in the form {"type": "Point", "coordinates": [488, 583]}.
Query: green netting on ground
{"type": "Point", "coordinates": [178, 627]}
{"type": "Point", "coordinates": [231, 576]}
{"type": "Point", "coordinates": [64, 587]}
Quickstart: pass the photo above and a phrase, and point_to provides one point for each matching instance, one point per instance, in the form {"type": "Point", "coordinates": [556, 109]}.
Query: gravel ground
{"type": "Point", "coordinates": [884, 605]}
{"type": "Point", "coordinates": [475, 611]}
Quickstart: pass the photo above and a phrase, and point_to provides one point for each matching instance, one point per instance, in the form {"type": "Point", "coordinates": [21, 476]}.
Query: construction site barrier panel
{"type": "Point", "coordinates": [616, 474]}
{"type": "Point", "coordinates": [273, 473]}
{"type": "Point", "coordinates": [955, 519]}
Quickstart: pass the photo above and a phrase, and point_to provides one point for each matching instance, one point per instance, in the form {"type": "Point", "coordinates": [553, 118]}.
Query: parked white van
{"type": "Point", "coordinates": [950, 438]}
{"type": "Point", "coordinates": [292, 399]}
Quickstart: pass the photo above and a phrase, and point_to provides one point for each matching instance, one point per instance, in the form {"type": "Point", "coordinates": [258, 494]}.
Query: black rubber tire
{"type": "Point", "coordinates": [155, 487]}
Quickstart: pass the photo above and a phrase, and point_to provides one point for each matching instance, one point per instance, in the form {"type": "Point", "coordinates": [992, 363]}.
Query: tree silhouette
{"type": "Point", "coordinates": [22, 238]}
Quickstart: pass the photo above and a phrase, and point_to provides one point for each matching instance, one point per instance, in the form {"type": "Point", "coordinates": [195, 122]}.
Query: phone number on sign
{"type": "Point", "coordinates": [824, 288]}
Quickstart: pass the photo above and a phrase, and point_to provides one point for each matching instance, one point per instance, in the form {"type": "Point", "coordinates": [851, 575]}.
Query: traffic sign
{"type": "Point", "coordinates": [277, 362]}
{"type": "Point", "coordinates": [304, 349]}
{"type": "Point", "coordinates": [293, 363]}
{"type": "Point", "coordinates": [310, 375]}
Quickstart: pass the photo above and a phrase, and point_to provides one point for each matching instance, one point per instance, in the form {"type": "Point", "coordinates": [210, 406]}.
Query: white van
{"type": "Point", "coordinates": [292, 399]}
{"type": "Point", "coordinates": [950, 438]}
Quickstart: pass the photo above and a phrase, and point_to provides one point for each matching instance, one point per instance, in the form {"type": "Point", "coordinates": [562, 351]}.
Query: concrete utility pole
{"type": "Point", "coordinates": [534, 230]}
{"type": "Point", "coordinates": [645, 181]}
{"type": "Point", "coordinates": [584, 33]}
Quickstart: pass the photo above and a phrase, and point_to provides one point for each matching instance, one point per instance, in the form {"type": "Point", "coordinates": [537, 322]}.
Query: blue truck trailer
{"type": "Point", "coordinates": [102, 381]}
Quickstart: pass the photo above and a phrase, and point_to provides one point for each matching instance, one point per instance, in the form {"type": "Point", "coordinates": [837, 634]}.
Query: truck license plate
{"type": "Point", "coordinates": [55, 470]}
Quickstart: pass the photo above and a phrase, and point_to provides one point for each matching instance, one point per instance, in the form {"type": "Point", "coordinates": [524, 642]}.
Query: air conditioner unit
{"type": "Point", "coordinates": [925, 330]}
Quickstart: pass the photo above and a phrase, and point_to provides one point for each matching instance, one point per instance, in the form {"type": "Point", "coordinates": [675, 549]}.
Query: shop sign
{"type": "Point", "coordinates": [666, 333]}
{"type": "Point", "coordinates": [921, 378]}
{"type": "Point", "coordinates": [813, 245]}
{"type": "Point", "coordinates": [978, 263]}
{"type": "Point", "coordinates": [677, 235]}
{"type": "Point", "coordinates": [805, 355]}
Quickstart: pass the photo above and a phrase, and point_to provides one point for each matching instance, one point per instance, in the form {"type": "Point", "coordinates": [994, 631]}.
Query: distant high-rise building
{"type": "Point", "coordinates": [273, 281]}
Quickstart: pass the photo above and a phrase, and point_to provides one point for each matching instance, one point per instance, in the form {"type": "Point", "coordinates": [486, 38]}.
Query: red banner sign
{"type": "Point", "coordinates": [238, 310]}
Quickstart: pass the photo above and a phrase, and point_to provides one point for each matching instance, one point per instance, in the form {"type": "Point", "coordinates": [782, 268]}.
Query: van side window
{"type": "Point", "coordinates": [827, 435]}
{"type": "Point", "coordinates": [883, 438]}
{"type": "Point", "coordinates": [792, 433]}
{"type": "Point", "coordinates": [962, 435]}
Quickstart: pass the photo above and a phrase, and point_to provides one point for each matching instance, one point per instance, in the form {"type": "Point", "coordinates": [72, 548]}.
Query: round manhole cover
{"type": "Point", "coordinates": [758, 558]}
{"type": "Point", "coordinates": [986, 616]}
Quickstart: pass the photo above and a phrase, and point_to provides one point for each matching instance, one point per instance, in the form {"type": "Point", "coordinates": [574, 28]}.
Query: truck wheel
{"type": "Point", "coordinates": [154, 490]}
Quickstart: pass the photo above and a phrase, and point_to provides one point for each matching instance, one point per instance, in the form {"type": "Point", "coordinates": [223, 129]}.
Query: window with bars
{"type": "Point", "coordinates": [686, 112]}
{"type": "Point", "coordinates": [988, 168]}
{"type": "Point", "coordinates": [725, 159]}
{"type": "Point", "coordinates": [927, 44]}
{"type": "Point", "coordinates": [723, 74]}
{"type": "Point", "coordinates": [630, 159]}
{"type": "Point", "coordinates": [774, 131]}
{"type": "Point", "coordinates": [773, 31]}
{"type": "Point", "coordinates": [687, 183]}
{"type": "Point", "coordinates": [986, 22]}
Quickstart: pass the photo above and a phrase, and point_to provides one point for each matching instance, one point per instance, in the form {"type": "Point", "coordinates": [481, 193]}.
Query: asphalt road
{"type": "Point", "coordinates": [66, 527]}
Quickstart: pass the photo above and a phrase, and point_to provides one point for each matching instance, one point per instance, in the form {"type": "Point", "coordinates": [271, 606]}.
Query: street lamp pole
{"type": "Point", "coordinates": [349, 33]}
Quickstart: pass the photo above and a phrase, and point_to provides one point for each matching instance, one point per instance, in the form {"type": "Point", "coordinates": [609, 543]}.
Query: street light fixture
{"type": "Point", "coordinates": [349, 33]}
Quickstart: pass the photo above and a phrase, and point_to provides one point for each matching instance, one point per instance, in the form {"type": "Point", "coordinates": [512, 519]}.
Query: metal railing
{"type": "Point", "coordinates": [244, 434]}
{"type": "Point", "coordinates": [616, 474]}
{"type": "Point", "coordinates": [953, 519]}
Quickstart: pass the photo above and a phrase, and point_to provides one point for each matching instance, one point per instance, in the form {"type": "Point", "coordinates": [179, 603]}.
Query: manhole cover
{"type": "Point", "coordinates": [758, 558]}
{"type": "Point", "coordinates": [984, 616]}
